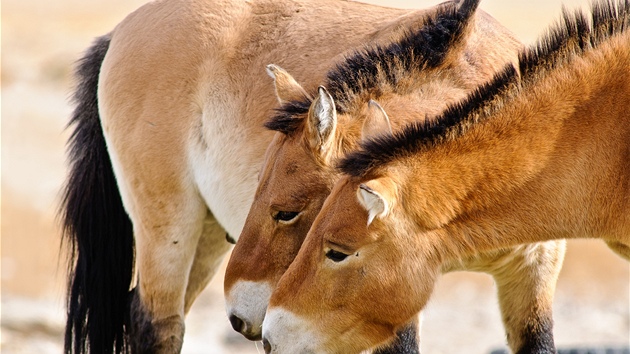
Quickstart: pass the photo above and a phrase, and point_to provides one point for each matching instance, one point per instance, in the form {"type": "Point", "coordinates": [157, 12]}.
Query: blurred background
{"type": "Point", "coordinates": [41, 39]}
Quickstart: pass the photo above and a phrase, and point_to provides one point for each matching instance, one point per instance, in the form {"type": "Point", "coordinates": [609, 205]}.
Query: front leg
{"type": "Point", "coordinates": [526, 284]}
{"type": "Point", "coordinates": [406, 341]}
{"type": "Point", "coordinates": [621, 249]}
{"type": "Point", "coordinates": [211, 248]}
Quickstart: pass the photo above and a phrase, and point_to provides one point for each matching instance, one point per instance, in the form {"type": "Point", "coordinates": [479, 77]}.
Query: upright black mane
{"type": "Point", "coordinates": [376, 66]}
{"type": "Point", "coordinates": [574, 34]}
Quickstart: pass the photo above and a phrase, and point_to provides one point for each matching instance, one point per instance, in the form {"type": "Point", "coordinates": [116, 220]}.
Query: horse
{"type": "Point", "coordinates": [540, 152]}
{"type": "Point", "coordinates": [298, 173]}
{"type": "Point", "coordinates": [167, 141]}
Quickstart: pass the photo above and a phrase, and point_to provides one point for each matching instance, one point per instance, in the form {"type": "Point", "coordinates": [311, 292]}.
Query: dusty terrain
{"type": "Point", "coordinates": [41, 40]}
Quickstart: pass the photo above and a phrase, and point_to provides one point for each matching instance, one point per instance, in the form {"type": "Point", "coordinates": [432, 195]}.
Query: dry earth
{"type": "Point", "coordinates": [41, 40]}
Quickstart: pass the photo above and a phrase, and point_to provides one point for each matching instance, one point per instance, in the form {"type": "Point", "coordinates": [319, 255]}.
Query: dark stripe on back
{"type": "Point", "coordinates": [374, 67]}
{"type": "Point", "coordinates": [572, 36]}
{"type": "Point", "coordinates": [420, 134]}
{"type": "Point", "coordinates": [424, 48]}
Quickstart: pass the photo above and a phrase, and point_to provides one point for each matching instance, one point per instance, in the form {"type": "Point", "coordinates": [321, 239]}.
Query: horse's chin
{"type": "Point", "coordinates": [253, 337]}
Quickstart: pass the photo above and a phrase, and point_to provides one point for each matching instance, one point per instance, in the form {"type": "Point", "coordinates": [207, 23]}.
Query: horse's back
{"type": "Point", "coordinates": [183, 89]}
{"type": "Point", "coordinates": [182, 96]}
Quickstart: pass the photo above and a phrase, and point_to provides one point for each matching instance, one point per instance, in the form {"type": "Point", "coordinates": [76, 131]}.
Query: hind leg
{"type": "Point", "coordinates": [211, 248]}
{"type": "Point", "coordinates": [167, 229]}
{"type": "Point", "coordinates": [526, 285]}
{"type": "Point", "coordinates": [161, 329]}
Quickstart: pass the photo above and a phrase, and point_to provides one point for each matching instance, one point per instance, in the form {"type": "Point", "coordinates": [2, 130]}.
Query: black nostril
{"type": "Point", "coordinates": [237, 323]}
{"type": "Point", "coordinates": [266, 346]}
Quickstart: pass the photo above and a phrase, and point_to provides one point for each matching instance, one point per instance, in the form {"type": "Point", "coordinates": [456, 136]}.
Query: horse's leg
{"type": "Point", "coordinates": [167, 228]}
{"type": "Point", "coordinates": [621, 249]}
{"type": "Point", "coordinates": [406, 341]}
{"type": "Point", "coordinates": [211, 248]}
{"type": "Point", "coordinates": [526, 281]}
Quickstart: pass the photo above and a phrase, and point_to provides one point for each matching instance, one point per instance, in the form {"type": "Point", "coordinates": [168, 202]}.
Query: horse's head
{"type": "Point", "coordinates": [297, 176]}
{"type": "Point", "coordinates": [412, 77]}
{"type": "Point", "coordinates": [354, 282]}
{"type": "Point", "coordinates": [295, 179]}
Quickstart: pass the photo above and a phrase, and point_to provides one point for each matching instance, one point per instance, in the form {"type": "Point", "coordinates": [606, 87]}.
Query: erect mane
{"type": "Point", "coordinates": [371, 68]}
{"type": "Point", "coordinates": [573, 35]}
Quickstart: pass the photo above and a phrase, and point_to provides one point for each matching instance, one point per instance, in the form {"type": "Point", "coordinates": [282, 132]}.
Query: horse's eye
{"type": "Point", "coordinates": [285, 215]}
{"type": "Point", "coordinates": [336, 256]}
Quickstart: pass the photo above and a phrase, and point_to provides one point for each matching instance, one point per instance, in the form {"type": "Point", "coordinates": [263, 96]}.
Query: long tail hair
{"type": "Point", "coordinates": [96, 228]}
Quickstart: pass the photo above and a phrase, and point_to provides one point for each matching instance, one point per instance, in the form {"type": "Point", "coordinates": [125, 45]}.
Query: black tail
{"type": "Point", "coordinates": [97, 229]}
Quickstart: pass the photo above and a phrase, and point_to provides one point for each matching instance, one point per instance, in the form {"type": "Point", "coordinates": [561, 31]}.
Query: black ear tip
{"type": "Point", "coordinates": [230, 239]}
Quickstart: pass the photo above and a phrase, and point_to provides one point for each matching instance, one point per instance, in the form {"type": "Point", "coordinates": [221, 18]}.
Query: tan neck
{"type": "Point", "coordinates": [550, 163]}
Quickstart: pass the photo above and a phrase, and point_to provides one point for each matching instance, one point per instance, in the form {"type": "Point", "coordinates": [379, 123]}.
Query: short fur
{"type": "Point", "coordinates": [367, 72]}
{"type": "Point", "coordinates": [297, 174]}
{"type": "Point", "coordinates": [537, 156]}
{"type": "Point", "coordinates": [407, 342]}
{"type": "Point", "coordinates": [572, 36]}
{"type": "Point", "coordinates": [167, 133]}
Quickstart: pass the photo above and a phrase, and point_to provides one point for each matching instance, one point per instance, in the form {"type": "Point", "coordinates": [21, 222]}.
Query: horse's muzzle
{"type": "Point", "coordinates": [244, 328]}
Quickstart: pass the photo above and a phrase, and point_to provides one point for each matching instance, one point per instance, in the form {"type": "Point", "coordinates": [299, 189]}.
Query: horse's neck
{"type": "Point", "coordinates": [550, 163]}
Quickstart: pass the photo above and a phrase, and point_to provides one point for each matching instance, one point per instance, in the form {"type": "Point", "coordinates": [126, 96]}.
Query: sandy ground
{"type": "Point", "coordinates": [40, 41]}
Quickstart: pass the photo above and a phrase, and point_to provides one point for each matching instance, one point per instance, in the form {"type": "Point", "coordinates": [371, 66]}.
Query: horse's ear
{"type": "Point", "coordinates": [287, 89]}
{"type": "Point", "coordinates": [376, 197]}
{"type": "Point", "coordinates": [376, 122]}
{"type": "Point", "coordinates": [322, 121]}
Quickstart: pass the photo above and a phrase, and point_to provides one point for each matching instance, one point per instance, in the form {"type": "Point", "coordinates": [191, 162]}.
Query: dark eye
{"type": "Point", "coordinates": [336, 256]}
{"type": "Point", "coordinates": [285, 215]}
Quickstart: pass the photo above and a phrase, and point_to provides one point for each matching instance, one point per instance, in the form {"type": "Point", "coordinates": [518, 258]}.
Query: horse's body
{"type": "Point", "coordinates": [536, 154]}
{"type": "Point", "coordinates": [170, 108]}
{"type": "Point", "coordinates": [299, 173]}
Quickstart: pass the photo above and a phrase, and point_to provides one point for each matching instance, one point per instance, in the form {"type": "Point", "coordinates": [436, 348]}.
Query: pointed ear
{"type": "Point", "coordinates": [322, 121]}
{"type": "Point", "coordinates": [376, 122]}
{"type": "Point", "coordinates": [376, 197]}
{"type": "Point", "coordinates": [287, 89]}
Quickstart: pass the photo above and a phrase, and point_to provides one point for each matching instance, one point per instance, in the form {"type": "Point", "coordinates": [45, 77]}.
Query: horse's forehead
{"type": "Point", "coordinates": [342, 209]}
{"type": "Point", "coordinates": [344, 190]}
{"type": "Point", "coordinates": [289, 166]}
{"type": "Point", "coordinates": [285, 151]}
